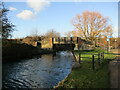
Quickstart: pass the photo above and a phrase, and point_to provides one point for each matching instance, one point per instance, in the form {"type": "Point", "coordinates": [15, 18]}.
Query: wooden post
{"type": "Point", "coordinates": [79, 57]}
{"type": "Point", "coordinates": [98, 58]}
{"type": "Point", "coordinates": [103, 55]}
{"type": "Point", "coordinates": [77, 40]}
{"type": "Point", "coordinates": [93, 66]}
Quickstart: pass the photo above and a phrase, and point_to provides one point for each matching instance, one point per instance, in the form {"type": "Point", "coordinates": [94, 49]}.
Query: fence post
{"type": "Point", "coordinates": [103, 55]}
{"type": "Point", "coordinates": [79, 57]}
{"type": "Point", "coordinates": [93, 62]}
{"type": "Point", "coordinates": [98, 58]}
{"type": "Point", "coordinates": [77, 40]}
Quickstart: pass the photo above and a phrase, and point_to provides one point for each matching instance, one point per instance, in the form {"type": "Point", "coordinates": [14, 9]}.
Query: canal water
{"type": "Point", "coordinates": [40, 72]}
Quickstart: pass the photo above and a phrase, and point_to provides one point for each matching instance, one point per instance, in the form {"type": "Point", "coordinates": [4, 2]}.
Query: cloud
{"type": "Point", "coordinates": [12, 8]}
{"type": "Point", "coordinates": [26, 14]}
{"type": "Point", "coordinates": [38, 5]}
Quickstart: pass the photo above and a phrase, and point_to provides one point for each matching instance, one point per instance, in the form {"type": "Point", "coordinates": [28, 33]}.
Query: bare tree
{"type": "Point", "coordinates": [68, 34]}
{"type": "Point", "coordinates": [90, 25]}
{"type": "Point", "coordinates": [35, 35]}
{"type": "Point", "coordinates": [34, 32]}
{"type": "Point", "coordinates": [52, 33]}
{"type": "Point", "coordinates": [47, 42]}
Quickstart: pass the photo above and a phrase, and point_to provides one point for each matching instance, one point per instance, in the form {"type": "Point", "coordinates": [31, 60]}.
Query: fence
{"type": "Point", "coordinates": [100, 58]}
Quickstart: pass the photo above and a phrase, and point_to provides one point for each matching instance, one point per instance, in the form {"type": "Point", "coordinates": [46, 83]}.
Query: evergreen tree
{"type": "Point", "coordinates": [6, 27]}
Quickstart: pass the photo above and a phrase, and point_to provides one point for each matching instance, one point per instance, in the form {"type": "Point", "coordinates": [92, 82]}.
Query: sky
{"type": "Point", "coordinates": [43, 16]}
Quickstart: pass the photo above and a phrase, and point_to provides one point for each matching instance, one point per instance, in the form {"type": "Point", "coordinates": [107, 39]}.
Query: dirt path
{"type": "Point", "coordinates": [114, 68]}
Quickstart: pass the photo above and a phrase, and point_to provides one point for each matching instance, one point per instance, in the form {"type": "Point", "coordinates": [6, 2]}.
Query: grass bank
{"type": "Point", "coordinates": [85, 77]}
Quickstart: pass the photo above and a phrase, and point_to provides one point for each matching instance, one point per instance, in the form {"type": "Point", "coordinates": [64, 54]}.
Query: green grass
{"type": "Point", "coordinates": [87, 54]}
{"type": "Point", "coordinates": [85, 77]}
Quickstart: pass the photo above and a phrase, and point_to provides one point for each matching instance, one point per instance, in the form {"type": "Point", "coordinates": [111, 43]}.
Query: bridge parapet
{"type": "Point", "coordinates": [64, 40]}
{"type": "Point", "coordinates": [65, 43]}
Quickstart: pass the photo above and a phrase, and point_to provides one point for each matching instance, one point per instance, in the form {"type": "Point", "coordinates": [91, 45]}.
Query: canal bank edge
{"type": "Point", "coordinates": [61, 82]}
{"type": "Point", "coordinates": [74, 66]}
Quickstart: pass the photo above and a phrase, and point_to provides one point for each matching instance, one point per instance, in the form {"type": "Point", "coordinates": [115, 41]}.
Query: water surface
{"type": "Point", "coordinates": [44, 72]}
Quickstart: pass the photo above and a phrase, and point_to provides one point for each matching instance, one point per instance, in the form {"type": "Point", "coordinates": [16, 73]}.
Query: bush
{"type": "Point", "coordinates": [15, 50]}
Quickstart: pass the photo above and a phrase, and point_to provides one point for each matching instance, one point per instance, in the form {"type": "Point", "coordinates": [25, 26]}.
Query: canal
{"type": "Point", "coordinates": [39, 72]}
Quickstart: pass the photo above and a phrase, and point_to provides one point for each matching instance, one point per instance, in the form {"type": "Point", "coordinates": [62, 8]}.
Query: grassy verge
{"type": "Point", "coordinates": [85, 77]}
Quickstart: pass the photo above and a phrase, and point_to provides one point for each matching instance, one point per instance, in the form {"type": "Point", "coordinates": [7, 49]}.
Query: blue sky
{"type": "Point", "coordinates": [55, 15]}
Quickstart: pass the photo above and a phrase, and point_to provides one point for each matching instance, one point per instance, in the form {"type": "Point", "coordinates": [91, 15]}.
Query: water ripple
{"type": "Point", "coordinates": [44, 72]}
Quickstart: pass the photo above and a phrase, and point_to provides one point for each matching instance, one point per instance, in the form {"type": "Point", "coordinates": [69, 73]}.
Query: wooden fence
{"type": "Point", "coordinates": [100, 58]}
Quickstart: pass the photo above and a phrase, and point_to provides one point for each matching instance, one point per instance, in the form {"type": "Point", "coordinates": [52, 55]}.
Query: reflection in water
{"type": "Point", "coordinates": [42, 72]}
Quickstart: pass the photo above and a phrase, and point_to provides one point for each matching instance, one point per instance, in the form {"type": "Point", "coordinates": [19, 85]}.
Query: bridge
{"type": "Point", "coordinates": [65, 43]}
